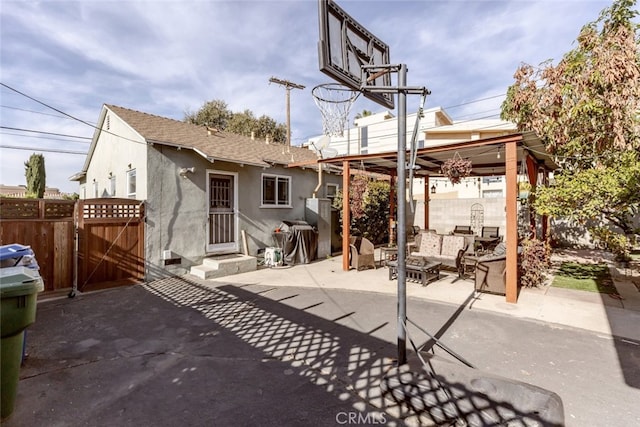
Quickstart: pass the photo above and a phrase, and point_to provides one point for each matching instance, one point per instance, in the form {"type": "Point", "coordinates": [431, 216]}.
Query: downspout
{"type": "Point", "coordinates": [315, 190]}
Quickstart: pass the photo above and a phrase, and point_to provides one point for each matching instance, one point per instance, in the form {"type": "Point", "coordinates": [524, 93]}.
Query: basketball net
{"type": "Point", "coordinates": [334, 101]}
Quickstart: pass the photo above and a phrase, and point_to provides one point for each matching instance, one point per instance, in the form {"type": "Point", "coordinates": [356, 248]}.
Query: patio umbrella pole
{"type": "Point", "coordinates": [401, 223]}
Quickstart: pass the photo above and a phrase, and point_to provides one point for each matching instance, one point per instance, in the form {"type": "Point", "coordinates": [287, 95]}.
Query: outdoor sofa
{"type": "Point", "coordinates": [446, 249]}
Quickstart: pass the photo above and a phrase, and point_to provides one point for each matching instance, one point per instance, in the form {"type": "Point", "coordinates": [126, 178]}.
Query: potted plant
{"type": "Point", "coordinates": [534, 262]}
{"type": "Point", "coordinates": [523, 190]}
{"type": "Point", "coordinates": [456, 168]}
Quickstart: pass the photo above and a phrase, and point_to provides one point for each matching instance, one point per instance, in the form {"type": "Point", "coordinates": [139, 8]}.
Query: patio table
{"type": "Point", "coordinates": [484, 244]}
{"type": "Point", "coordinates": [387, 254]}
{"type": "Point", "coordinates": [418, 269]}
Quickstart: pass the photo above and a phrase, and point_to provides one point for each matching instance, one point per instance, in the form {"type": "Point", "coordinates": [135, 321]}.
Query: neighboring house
{"type": "Point", "coordinates": [21, 191]}
{"type": "Point", "coordinates": [377, 133]}
{"type": "Point", "coordinates": [201, 186]}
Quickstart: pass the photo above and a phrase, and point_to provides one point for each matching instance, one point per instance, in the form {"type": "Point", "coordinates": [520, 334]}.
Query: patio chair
{"type": "Point", "coordinates": [490, 232]}
{"type": "Point", "coordinates": [488, 239]}
{"type": "Point", "coordinates": [462, 229]}
{"type": "Point", "coordinates": [491, 271]}
{"type": "Point", "coordinates": [361, 252]}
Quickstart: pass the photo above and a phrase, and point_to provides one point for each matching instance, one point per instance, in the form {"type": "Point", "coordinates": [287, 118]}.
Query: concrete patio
{"type": "Point", "coordinates": [308, 345]}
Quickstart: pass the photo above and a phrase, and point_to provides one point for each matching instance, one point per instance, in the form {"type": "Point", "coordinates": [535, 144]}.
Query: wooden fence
{"type": "Point", "coordinates": [110, 232]}
{"type": "Point", "coordinates": [47, 226]}
{"type": "Point", "coordinates": [110, 242]}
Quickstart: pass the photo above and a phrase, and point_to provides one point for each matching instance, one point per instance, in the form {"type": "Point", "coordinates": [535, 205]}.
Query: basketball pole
{"type": "Point", "coordinates": [401, 229]}
{"type": "Point", "coordinates": [401, 173]}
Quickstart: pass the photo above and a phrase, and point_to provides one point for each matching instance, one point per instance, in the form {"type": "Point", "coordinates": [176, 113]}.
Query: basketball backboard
{"type": "Point", "coordinates": [345, 46]}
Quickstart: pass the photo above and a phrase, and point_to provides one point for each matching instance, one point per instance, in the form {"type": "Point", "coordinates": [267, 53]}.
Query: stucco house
{"type": "Point", "coordinates": [206, 192]}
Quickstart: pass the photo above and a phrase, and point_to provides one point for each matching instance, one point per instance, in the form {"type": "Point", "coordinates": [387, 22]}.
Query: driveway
{"type": "Point", "coordinates": [185, 352]}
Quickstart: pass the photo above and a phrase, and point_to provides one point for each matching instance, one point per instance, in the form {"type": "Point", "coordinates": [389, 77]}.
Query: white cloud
{"type": "Point", "coordinates": [165, 57]}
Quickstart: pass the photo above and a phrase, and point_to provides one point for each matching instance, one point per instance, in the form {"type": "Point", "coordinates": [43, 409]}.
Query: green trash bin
{"type": "Point", "coordinates": [18, 292]}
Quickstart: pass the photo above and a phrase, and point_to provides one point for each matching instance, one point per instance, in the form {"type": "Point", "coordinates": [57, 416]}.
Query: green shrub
{"type": "Point", "coordinates": [369, 208]}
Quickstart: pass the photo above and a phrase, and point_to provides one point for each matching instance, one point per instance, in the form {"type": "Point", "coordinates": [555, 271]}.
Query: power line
{"type": "Point", "coordinates": [70, 116]}
{"type": "Point", "coordinates": [476, 100]}
{"type": "Point", "coordinates": [34, 112]}
{"type": "Point", "coordinates": [47, 105]}
{"type": "Point", "coordinates": [44, 132]}
{"type": "Point", "coordinates": [48, 138]}
{"type": "Point", "coordinates": [46, 150]}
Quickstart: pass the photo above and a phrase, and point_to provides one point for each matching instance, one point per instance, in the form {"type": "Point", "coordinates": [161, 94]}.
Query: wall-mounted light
{"type": "Point", "coordinates": [498, 156]}
{"type": "Point", "coordinates": [433, 189]}
{"type": "Point", "coordinates": [183, 171]}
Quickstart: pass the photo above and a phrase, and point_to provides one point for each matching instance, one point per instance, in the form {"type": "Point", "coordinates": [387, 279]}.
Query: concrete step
{"type": "Point", "coordinates": [224, 265]}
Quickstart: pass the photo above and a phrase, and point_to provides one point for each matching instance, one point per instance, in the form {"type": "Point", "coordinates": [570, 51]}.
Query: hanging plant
{"type": "Point", "coordinates": [456, 168]}
{"type": "Point", "coordinates": [357, 191]}
{"type": "Point", "coordinates": [524, 189]}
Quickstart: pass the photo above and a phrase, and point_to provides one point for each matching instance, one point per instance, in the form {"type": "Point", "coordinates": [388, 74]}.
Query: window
{"type": "Point", "coordinates": [276, 190]}
{"type": "Point", "coordinates": [112, 186]}
{"type": "Point", "coordinates": [131, 184]}
{"type": "Point", "coordinates": [492, 193]}
{"type": "Point", "coordinates": [364, 140]}
{"type": "Point", "coordinates": [95, 189]}
{"type": "Point", "coordinates": [332, 190]}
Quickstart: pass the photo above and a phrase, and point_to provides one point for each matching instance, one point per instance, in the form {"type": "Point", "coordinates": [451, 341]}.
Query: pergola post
{"type": "Point", "coordinates": [545, 218]}
{"type": "Point", "coordinates": [532, 175]}
{"type": "Point", "coordinates": [427, 199]}
{"type": "Point", "coordinates": [392, 205]}
{"type": "Point", "coordinates": [511, 174]}
{"type": "Point", "coordinates": [346, 217]}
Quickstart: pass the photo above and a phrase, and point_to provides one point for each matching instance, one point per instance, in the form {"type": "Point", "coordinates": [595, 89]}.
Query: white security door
{"type": "Point", "coordinates": [222, 226]}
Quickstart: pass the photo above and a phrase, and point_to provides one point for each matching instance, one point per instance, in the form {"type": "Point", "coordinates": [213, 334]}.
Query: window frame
{"type": "Point", "coordinates": [275, 202]}
{"type": "Point", "coordinates": [112, 186]}
{"type": "Point", "coordinates": [336, 188]}
{"type": "Point", "coordinates": [131, 173]}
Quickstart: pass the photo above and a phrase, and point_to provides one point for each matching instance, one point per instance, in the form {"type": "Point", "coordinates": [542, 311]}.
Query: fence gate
{"type": "Point", "coordinates": [110, 243]}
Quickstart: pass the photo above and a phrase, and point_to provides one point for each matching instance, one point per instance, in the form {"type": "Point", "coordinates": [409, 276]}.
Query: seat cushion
{"type": "Point", "coordinates": [451, 245]}
{"type": "Point", "coordinates": [430, 244]}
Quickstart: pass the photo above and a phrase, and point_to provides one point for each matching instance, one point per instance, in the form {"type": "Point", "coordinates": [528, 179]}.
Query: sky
{"type": "Point", "coordinates": [62, 60]}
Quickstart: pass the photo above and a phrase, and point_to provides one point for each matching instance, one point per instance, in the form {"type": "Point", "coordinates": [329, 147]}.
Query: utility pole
{"type": "Point", "coordinates": [288, 86]}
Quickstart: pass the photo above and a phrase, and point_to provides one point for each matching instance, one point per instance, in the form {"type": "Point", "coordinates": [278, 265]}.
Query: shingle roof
{"type": "Point", "coordinates": [218, 145]}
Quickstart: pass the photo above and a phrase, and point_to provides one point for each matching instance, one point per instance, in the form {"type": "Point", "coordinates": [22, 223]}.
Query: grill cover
{"type": "Point", "coordinates": [298, 241]}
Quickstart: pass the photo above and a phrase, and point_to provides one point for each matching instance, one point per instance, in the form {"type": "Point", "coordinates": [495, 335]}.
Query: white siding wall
{"type": "Point", "coordinates": [115, 151]}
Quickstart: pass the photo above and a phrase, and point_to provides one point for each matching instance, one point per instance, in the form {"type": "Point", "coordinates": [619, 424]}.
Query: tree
{"type": "Point", "coordinates": [586, 109]}
{"type": "Point", "coordinates": [36, 176]}
{"type": "Point", "coordinates": [266, 126]}
{"type": "Point", "coordinates": [216, 114]}
{"type": "Point", "coordinates": [242, 123]}
{"type": "Point", "coordinates": [369, 208]}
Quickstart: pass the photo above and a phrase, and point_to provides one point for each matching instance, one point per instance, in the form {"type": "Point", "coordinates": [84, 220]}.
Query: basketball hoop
{"type": "Point", "coordinates": [334, 101]}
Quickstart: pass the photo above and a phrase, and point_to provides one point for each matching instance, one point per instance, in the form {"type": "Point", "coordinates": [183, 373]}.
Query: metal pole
{"type": "Point", "coordinates": [401, 229]}
{"type": "Point", "coordinates": [288, 86]}
{"type": "Point", "coordinates": [288, 116]}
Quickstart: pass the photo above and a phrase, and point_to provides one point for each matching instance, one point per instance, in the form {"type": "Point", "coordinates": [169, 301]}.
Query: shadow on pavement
{"type": "Point", "coordinates": [176, 352]}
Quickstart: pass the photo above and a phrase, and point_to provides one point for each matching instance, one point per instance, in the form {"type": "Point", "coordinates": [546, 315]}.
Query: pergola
{"type": "Point", "coordinates": [513, 148]}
